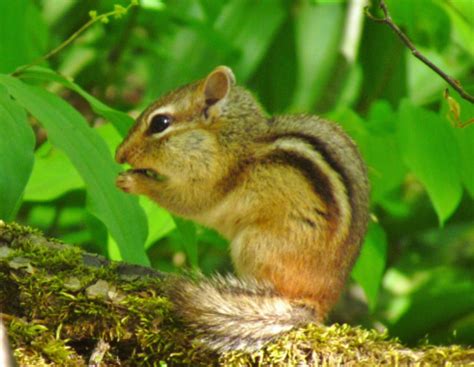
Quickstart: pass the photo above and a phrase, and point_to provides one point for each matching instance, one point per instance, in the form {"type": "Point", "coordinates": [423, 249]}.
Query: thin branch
{"type": "Point", "coordinates": [117, 12]}
{"type": "Point", "coordinates": [387, 19]}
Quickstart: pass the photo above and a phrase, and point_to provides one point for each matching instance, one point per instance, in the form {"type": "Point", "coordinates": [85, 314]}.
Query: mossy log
{"type": "Point", "coordinates": [64, 307]}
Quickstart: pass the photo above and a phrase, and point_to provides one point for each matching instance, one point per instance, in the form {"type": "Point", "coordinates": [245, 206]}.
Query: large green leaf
{"type": "Point", "coordinates": [69, 131]}
{"type": "Point", "coordinates": [17, 144]}
{"type": "Point", "coordinates": [53, 175]}
{"type": "Point", "coordinates": [121, 121]}
{"type": "Point", "coordinates": [369, 268]}
{"type": "Point", "coordinates": [430, 150]}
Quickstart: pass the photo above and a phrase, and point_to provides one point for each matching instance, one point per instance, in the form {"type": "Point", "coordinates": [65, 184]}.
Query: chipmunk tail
{"type": "Point", "coordinates": [228, 313]}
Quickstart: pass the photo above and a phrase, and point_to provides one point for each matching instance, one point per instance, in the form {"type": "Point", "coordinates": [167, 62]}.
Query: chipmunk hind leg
{"type": "Point", "coordinates": [304, 277]}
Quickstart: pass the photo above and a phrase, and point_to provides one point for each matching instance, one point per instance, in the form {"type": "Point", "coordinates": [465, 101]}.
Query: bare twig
{"type": "Point", "coordinates": [387, 19]}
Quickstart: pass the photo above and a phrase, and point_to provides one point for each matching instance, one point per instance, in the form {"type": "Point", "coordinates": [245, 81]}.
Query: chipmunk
{"type": "Point", "coordinates": [290, 193]}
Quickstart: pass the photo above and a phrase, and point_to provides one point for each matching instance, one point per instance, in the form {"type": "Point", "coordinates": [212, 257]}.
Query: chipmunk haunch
{"type": "Point", "coordinates": [289, 192]}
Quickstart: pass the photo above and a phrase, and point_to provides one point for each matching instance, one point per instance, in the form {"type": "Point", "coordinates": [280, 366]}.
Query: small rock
{"type": "Point", "coordinates": [100, 289]}
{"type": "Point", "coordinates": [72, 283]}
{"type": "Point", "coordinates": [21, 263]}
{"type": "Point", "coordinates": [115, 295]}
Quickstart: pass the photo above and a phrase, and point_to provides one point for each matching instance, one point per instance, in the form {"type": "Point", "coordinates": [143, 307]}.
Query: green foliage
{"type": "Point", "coordinates": [18, 43]}
{"type": "Point", "coordinates": [52, 176]}
{"type": "Point", "coordinates": [68, 130]}
{"type": "Point", "coordinates": [431, 30]}
{"type": "Point", "coordinates": [424, 135]}
{"type": "Point", "coordinates": [320, 57]}
{"type": "Point", "coordinates": [16, 152]}
{"type": "Point", "coordinates": [370, 266]}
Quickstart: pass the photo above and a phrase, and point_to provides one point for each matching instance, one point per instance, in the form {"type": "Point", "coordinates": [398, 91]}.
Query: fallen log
{"type": "Point", "coordinates": [62, 306]}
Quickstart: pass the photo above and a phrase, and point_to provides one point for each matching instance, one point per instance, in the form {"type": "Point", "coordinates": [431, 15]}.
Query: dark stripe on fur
{"type": "Point", "coordinates": [310, 170]}
{"type": "Point", "coordinates": [356, 186]}
{"type": "Point", "coordinates": [233, 178]}
{"type": "Point", "coordinates": [320, 147]}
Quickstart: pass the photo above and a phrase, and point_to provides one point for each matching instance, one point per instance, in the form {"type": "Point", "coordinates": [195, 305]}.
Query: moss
{"type": "Point", "coordinates": [318, 345]}
{"type": "Point", "coordinates": [57, 291]}
{"type": "Point", "coordinates": [36, 345]}
{"type": "Point", "coordinates": [57, 308]}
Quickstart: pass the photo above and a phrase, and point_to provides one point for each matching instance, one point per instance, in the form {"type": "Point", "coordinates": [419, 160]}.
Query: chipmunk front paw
{"type": "Point", "coordinates": [128, 181]}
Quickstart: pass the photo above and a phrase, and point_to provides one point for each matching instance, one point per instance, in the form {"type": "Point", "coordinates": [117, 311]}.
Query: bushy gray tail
{"type": "Point", "coordinates": [228, 313]}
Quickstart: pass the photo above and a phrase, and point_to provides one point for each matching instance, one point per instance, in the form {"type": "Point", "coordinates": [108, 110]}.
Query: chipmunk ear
{"type": "Point", "coordinates": [217, 84]}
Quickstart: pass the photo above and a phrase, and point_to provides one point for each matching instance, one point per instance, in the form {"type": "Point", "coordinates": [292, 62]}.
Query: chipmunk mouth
{"type": "Point", "coordinates": [151, 173]}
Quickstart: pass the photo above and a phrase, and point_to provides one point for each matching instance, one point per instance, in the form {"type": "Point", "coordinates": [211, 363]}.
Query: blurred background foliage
{"type": "Point", "coordinates": [415, 274]}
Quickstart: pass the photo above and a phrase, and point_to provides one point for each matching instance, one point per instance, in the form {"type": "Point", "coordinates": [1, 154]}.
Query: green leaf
{"type": "Point", "coordinates": [382, 152]}
{"type": "Point", "coordinates": [236, 33]}
{"type": "Point", "coordinates": [120, 120]}
{"type": "Point", "coordinates": [239, 22]}
{"type": "Point", "coordinates": [53, 175]}
{"type": "Point", "coordinates": [23, 34]}
{"type": "Point", "coordinates": [462, 18]}
{"type": "Point", "coordinates": [69, 131]}
{"type": "Point", "coordinates": [465, 140]}
{"type": "Point", "coordinates": [384, 73]}
{"type": "Point", "coordinates": [318, 32]}
{"type": "Point", "coordinates": [17, 144]}
{"type": "Point", "coordinates": [369, 268]}
{"type": "Point", "coordinates": [352, 124]}
{"type": "Point", "coordinates": [430, 150]}
{"type": "Point", "coordinates": [188, 238]}
{"type": "Point", "coordinates": [160, 221]}
{"type": "Point", "coordinates": [276, 93]}
{"type": "Point", "coordinates": [446, 298]}
{"type": "Point", "coordinates": [42, 216]}
{"type": "Point", "coordinates": [152, 4]}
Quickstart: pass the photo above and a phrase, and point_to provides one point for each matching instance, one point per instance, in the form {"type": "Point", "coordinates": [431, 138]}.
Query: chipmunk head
{"type": "Point", "coordinates": [176, 136]}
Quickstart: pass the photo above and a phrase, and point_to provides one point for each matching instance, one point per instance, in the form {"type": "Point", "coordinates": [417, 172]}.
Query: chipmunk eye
{"type": "Point", "coordinates": [159, 123]}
